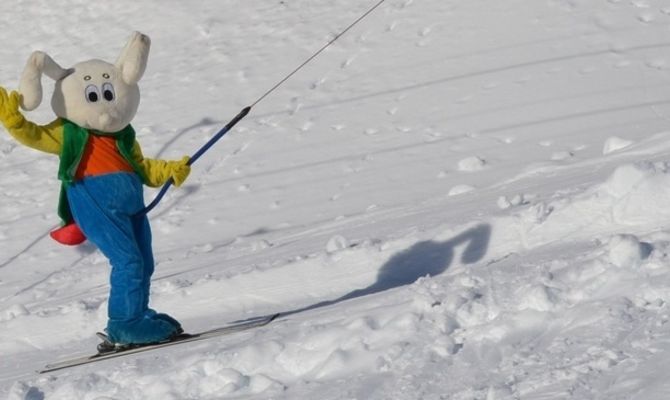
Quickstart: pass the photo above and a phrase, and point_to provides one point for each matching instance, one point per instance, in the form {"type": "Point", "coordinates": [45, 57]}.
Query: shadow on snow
{"type": "Point", "coordinates": [427, 258]}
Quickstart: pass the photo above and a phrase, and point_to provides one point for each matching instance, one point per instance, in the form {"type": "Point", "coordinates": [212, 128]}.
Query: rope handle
{"type": "Point", "coordinates": [194, 158]}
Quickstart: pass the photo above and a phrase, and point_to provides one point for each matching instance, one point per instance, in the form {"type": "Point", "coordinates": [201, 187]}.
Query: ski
{"type": "Point", "coordinates": [183, 338]}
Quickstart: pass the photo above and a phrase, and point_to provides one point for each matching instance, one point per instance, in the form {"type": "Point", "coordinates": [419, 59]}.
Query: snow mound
{"type": "Point", "coordinates": [627, 179]}
{"type": "Point", "coordinates": [17, 310]}
{"type": "Point", "coordinates": [460, 189]}
{"type": "Point", "coordinates": [472, 164]}
{"type": "Point", "coordinates": [614, 143]}
{"type": "Point", "coordinates": [626, 251]}
{"type": "Point", "coordinates": [635, 194]}
{"type": "Point", "coordinates": [639, 193]}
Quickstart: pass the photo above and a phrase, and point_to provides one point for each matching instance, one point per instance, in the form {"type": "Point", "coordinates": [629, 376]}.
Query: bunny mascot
{"type": "Point", "coordinates": [102, 171]}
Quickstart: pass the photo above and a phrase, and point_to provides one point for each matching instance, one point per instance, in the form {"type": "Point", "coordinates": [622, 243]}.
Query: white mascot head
{"type": "Point", "coordinates": [93, 94]}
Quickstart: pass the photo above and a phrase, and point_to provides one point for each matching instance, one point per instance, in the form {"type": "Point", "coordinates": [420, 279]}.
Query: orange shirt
{"type": "Point", "coordinates": [101, 156]}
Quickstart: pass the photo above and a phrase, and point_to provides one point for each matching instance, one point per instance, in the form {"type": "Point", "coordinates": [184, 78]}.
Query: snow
{"type": "Point", "coordinates": [615, 143]}
{"type": "Point", "coordinates": [462, 200]}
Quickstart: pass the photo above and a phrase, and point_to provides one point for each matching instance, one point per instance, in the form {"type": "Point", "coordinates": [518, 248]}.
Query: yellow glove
{"type": "Point", "coordinates": [9, 108]}
{"type": "Point", "coordinates": [179, 170]}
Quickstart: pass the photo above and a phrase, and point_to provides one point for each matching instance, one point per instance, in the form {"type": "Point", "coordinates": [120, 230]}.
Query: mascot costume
{"type": "Point", "coordinates": [102, 171]}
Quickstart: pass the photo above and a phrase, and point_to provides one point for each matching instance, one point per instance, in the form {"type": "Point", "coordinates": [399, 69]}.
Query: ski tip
{"type": "Point", "coordinates": [49, 368]}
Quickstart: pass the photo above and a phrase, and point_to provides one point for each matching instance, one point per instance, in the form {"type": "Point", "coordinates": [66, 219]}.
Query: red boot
{"type": "Point", "coordinates": [69, 235]}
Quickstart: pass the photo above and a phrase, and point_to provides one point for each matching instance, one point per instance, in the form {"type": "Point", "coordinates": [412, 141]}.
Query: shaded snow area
{"type": "Point", "coordinates": [457, 200]}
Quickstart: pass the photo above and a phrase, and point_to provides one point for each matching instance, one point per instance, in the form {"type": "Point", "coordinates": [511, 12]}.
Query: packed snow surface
{"type": "Point", "coordinates": [457, 200]}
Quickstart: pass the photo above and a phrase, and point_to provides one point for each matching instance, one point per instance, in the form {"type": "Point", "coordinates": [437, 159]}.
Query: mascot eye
{"type": "Point", "coordinates": [92, 93]}
{"type": "Point", "coordinates": [108, 91]}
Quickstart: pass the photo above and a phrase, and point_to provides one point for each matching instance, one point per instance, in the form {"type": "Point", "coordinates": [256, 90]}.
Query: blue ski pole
{"type": "Point", "coordinates": [195, 157]}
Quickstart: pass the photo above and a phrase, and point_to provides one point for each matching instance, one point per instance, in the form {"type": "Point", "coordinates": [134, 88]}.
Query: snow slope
{"type": "Point", "coordinates": [458, 200]}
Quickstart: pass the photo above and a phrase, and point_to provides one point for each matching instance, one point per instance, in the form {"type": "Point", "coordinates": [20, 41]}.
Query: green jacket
{"type": "Point", "coordinates": [75, 139]}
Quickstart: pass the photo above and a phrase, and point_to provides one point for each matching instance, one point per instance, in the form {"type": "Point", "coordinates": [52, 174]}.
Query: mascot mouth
{"type": "Point", "coordinates": [105, 119]}
{"type": "Point", "coordinates": [105, 123]}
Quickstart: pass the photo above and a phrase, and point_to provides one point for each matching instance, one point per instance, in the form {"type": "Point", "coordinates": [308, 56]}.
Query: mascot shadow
{"type": "Point", "coordinates": [427, 258]}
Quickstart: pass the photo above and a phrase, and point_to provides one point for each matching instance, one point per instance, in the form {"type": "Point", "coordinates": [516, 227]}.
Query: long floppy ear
{"type": "Point", "coordinates": [30, 85]}
{"type": "Point", "coordinates": [133, 59]}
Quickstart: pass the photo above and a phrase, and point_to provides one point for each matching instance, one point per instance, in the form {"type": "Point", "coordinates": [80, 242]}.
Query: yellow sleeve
{"type": "Point", "coordinates": [47, 138]}
{"type": "Point", "coordinates": [158, 172]}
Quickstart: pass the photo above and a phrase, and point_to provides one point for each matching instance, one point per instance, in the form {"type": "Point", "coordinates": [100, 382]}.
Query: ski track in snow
{"type": "Point", "coordinates": [462, 200]}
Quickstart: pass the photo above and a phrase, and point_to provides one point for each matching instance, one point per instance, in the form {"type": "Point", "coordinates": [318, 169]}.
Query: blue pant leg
{"type": "Point", "coordinates": [142, 232]}
{"type": "Point", "coordinates": [104, 208]}
{"type": "Point", "coordinates": [106, 225]}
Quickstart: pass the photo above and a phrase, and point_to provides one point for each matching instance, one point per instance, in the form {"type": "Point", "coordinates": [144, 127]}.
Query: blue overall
{"type": "Point", "coordinates": [104, 207]}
